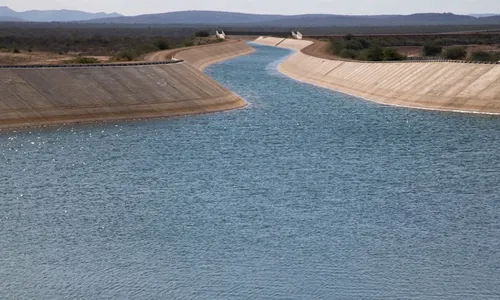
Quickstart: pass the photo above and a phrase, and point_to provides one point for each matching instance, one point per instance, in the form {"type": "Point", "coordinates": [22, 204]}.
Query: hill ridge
{"type": "Point", "coordinates": [57, 15]}
{"type": "Point", "coordinates": [213, 17]}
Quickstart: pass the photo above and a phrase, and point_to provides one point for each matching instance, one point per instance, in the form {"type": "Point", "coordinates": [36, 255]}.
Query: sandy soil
{"type": "Point", "coordinates": [494, 48]}
{"type": "Point", "coordinates": [37, 57]}
{"type": "Point", "coordinates": [319, 49]}
{"type": "Point", "coordinates": [9, 58]}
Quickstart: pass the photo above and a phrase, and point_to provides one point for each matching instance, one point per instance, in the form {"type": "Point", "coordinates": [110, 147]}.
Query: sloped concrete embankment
{"type": "Point", "coordinates": [202, 57]}
{"type": "Point", "coordinates": [449, 86]}
{"type": "Point", "coordinates": [46, 96]}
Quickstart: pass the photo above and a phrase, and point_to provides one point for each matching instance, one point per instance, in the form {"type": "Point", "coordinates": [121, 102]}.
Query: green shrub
{"type": "Point", "coordinates": [83, 60]}
{"type": "Point", "coordinates": [336, 47]}
{"type": "Point", "coordinates": [353, 45]}
{"type": "Point", "coordinates": [374, 53]}
{"type": "Point", "coordinates": [455, 52]}
{"type": "Point", "coordinates": [124, 55]}
{"type": "Point", "coordinates": [392, 54]}
{"type": "Point", "coordinates": [188, 43]}
{"type": "Point", "coordinates": [201, 34]}
{"type": "Point", "coordinates": [485, 56]}
{"type": "Point", "coordinates": [348, 37]}
{"type": "Point", "coordinates": [364, 43]}
{"type": "Point", "coordinates": [162, 44]}
{"type": "Point", "coordinates": [349, 53]}
{"type": "Point", "coordinates": [431, 50]}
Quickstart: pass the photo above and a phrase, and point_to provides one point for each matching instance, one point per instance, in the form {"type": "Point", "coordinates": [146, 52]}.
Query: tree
{"type": "Point", "coordinates": [485, 56]}
{"type": "Point", "coordinates": [374, 53]}
{"type": "Point", "coordinates": [353, 45]}
{"type": "Point", "coordinates": [201, 34]}
{"type": "Point", "coordinates": [83, 60]}
{"type": "Point", "coordinates": [456, 52]}
{"type": "Point", "coordinates": [162, 44]}
{"type": "Point", "coordinates": [348, 53]}
{"type": "Point", "coordinates": [481, 56]}
{"type": "Point", "coordinates": [392, 54]}
{"type": "Point", "coordinates": [348, 37]}
{"type": "Point", "coordinates": [337, 47]}
{"type": "Point", "coordinates": [431, 50]}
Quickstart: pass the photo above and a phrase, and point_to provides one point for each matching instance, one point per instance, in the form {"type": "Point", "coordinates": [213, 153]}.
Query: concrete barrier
{"type": "Point", "coordinates": [48, 95]}
{"type": "Point", "coordinates": [445, 85]}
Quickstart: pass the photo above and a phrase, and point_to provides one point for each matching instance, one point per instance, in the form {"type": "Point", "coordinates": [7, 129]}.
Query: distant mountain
{"type": "Point", "coordinates": [389, 20]}
{"type": "Point", "coordinates": [193, 17]}
{"type": "Point", "coordinates": [490, 20]}
{"type": "Point", "coordinates": [6, 12]}
{"type": "Point", "coordinates": [483, 15]}
{"type": "Point", "coordinates": [52, 15]}
{"type": "Point", "coordinates": [196, 17]}
{"type": "Point", "coordinates": [309, 20]}
{"type": "Point", "coordinates": [9, 19]}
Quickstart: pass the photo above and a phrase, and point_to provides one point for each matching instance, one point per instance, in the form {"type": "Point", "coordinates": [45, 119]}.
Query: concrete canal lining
{"type": "Point", "coordinates": [42, 95]}
{"type": "Point", "coordinates": [449, 86]}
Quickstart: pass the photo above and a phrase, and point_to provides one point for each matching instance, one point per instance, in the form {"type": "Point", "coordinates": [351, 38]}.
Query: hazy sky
{"type": "Point", "coordinates": [358, 7]}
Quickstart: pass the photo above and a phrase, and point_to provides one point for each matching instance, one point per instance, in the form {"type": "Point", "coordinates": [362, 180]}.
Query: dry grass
{"type": "Point", "coordinates": [37, 57]}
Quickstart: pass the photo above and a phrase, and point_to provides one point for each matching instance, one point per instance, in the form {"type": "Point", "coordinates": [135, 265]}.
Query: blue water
{"type": "Point", "coordinates": [305, 194]}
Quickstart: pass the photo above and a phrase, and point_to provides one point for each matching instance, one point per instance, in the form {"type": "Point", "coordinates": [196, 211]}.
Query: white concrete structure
{"type": "Point", "coordinates": [220, 35]}
{"type": "Point", "coordinates": [297, 35]}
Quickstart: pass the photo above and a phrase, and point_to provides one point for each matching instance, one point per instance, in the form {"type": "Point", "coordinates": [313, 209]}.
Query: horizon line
{"type": "Point", "coordinates": [251, 13]}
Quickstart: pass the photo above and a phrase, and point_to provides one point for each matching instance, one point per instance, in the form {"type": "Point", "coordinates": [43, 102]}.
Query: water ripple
{"type": "Point", "coordinates": [306, 194]}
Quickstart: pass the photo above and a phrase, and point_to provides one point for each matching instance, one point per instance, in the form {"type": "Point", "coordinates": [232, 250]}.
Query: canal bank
{"type": "Point", "coordinates": [41, 95]}
{"type": "Point", "coordinates": [445, 86]}
{"type": "Point", "coordinates": [305, 194]}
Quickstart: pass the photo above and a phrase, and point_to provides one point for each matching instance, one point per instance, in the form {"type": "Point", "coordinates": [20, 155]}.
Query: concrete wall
{"type": "Point", "coordinates": [46, 96]}
{"type": "Point", "coordinates": [268, 40]}
{"type": "Point", "coordinates": [428, 85]}
{"type": "Point", "coordinates": [202, 57]}
{"type": "Point", "coordinates": [32, 97]}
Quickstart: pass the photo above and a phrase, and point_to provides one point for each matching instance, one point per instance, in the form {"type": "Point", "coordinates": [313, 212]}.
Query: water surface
{"type": "Point", "coordinates": [305, 194]}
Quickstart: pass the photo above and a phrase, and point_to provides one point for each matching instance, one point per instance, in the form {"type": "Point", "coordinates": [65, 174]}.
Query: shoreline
{"type": "Point", "coordinates": [390, 105]}
{"type": "Point", "coordinates": [41, 97]}
{"type": "Point", "coordinates": [397, 84]}
{"type": "Point", "coordinates": [120, 120]}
